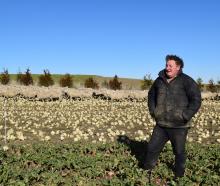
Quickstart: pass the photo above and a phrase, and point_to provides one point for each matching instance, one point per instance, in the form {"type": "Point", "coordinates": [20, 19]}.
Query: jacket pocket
{"type": "Point", "coordinates": [178, 115]}
{"type": "Point", "coordinates": [175, 116]}
{"type": "Point", "coordinates": [158, 113]}
{"type": "Point", "coordinates": [186, 118]}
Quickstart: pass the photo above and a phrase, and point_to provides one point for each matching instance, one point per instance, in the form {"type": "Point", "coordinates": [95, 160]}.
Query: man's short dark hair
{"type": "Point", "coordinates": [177, 59]}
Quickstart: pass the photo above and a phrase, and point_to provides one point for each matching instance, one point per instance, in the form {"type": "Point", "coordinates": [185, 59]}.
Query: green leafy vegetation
{"type": "Point", "coordinates": [102, 164]}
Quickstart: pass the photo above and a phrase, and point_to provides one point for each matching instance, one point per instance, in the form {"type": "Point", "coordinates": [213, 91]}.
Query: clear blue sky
{"type": "Point", "coordinates": [129, 38]}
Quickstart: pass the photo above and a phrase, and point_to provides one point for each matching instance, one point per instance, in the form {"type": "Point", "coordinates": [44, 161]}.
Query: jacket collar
{"type": "Point", "coordinates": [163, 75]}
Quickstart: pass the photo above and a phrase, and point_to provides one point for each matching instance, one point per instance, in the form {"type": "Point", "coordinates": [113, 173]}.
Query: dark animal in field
{"type": "Point", "coordinates": [100, 96]}
{"type": "Point", "coordinates": [49, 99]}
{"type": "Point", "coordinates": [65, 95]}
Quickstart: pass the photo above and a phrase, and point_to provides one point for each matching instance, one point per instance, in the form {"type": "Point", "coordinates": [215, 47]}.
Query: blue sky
{"type": "Point", "coordinates": [129, 38]}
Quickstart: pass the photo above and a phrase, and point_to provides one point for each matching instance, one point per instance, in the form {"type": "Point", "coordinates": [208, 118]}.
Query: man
{"type": "Point", "coordinates": [173, 100]}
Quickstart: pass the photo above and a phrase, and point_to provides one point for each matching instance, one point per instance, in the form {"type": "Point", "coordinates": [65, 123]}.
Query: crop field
{"type": "Point", "coordinates": [94, 120]}
{"type": "Point", "coordinates": [98, 142]}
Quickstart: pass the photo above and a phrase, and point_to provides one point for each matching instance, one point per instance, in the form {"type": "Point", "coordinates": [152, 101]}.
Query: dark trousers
{"type": "Point", "coordinates": [160, 136]}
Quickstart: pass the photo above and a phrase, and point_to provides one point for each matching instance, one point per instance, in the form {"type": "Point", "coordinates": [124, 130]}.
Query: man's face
{"type": "Point", "coordinates": [172, 69]}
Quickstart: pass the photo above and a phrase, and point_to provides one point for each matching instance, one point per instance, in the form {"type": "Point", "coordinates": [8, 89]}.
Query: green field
{"type": "Point", "coordinates": [76, 143]}
{"type": "Point", "coordinates": [103, 164]}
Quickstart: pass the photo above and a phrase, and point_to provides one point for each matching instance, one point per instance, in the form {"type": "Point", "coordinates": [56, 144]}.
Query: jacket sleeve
{"type": "Point", "coordinates": [152, 99]}
{"type": "Point", "coordinates": [194, 96]}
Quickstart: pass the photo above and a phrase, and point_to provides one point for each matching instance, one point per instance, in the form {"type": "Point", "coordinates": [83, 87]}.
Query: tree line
{"type": "Point", "coordinates": [67, 80]}
{"type": "Point", "coordinates": [211, 86]}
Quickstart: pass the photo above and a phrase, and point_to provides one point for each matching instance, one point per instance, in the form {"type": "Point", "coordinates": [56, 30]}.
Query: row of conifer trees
{"type": "Point", "coordinates": [66, 80]}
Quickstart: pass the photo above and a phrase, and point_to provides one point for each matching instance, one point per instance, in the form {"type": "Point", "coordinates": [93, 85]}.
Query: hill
{"type": "Point", "coordinates": [127, 83]}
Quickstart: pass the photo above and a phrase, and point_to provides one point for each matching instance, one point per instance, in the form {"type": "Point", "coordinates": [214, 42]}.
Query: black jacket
{"type": "Point", "coordinates": [173, 104]}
